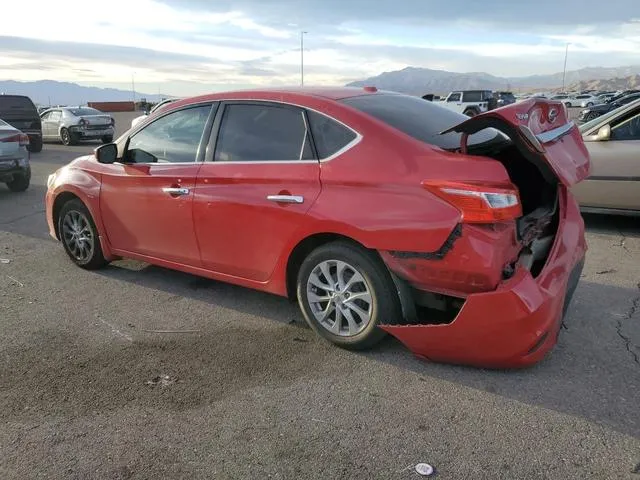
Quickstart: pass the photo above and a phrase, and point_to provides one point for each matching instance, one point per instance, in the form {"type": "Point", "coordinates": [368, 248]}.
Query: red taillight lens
{"type": "Point", "coordinates": [479, 203]}
{"type": "Point", "coordinates": [22, 139]}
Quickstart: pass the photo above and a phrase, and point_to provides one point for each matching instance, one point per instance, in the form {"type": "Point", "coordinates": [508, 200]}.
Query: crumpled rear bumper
{"type": "Point", "coordinates": [517, 324]}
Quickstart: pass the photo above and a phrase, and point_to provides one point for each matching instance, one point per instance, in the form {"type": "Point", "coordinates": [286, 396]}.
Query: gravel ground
{"type": "Point", "coordinates": [90, 389]}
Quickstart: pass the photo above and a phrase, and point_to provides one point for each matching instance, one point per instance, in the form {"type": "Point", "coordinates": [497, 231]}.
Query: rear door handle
{"type": "Point", "coordinates": [286, 198]}
{"type": "Point", "coordinates": [176, 191]}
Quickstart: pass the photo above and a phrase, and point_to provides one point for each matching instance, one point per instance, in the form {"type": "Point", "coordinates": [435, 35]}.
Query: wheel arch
{"type": "Point", "coordinates": [58, 203]}
{"type": "Point", "coordinates": [304, 247]}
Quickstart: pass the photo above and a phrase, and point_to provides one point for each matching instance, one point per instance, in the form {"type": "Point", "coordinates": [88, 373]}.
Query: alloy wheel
{"type": "Point", "coordinates": [78, 236]}
{"type": "Point", "coordinates": [339, 298]}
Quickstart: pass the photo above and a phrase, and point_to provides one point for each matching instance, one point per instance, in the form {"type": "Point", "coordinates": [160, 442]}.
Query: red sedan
{"type": "Point", "coordinates": [379, 212]}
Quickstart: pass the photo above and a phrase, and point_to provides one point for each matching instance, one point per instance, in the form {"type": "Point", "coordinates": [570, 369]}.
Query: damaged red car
{"type": "Point", "coordinates": [380, 213]}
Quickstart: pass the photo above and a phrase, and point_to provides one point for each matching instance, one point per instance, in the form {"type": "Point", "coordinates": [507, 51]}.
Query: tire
{"type": "Point", "coordinates": [590, 104]}
{"type": "Point", "coordinates": [568, 104]}
{"type": "Point", "coordinates": [471, 112]}
{"type": "Point", "coordinates": [20, 183]}
{"type": "Point", "coordinates": [107, 139]}
{"type": "Point", "coordinates": [75, 224]}
{"type": "Point", "coordinates": [591, 116]}
{"type": "Point", "coordinates": [67, 137]}
{"type": "Point", "coordinates": [361, 331]}
{"type": "Point", "coordinates": [35, 144]}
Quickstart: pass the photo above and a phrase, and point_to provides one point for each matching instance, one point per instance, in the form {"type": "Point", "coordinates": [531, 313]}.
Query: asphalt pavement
{"type": "Point", "coordinates": [93, 386]}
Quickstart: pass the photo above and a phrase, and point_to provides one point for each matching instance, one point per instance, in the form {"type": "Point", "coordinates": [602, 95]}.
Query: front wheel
{"type": "Point", "coordinates": [345, 292]}
{"type": "Point", "coordinates": [79, 235]}
{"type": "Point", "coordinates": [21, 181]}
{"type": "Point", "coordinates": [568, 104]}
{"type": "Point", "coordinates": [589, 104]}
{"type": "Point", "coordinates": [591, 116]}
{"type": "Point", "coordinates": [471, 112]}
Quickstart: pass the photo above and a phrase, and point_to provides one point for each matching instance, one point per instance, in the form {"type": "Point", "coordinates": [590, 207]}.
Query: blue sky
{"type": "Point", "coordinates": [185, 47]}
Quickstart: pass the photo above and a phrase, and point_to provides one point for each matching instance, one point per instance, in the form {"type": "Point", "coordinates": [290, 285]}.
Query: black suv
{"type": "Point", "coordinates": [20, 112]}
{"type": "Point", "coordinates": [504, 98]}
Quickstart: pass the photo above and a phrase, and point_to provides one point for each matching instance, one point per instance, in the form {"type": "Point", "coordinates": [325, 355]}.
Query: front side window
{"type": "Point", "coordinates": [254, 133]}
{"type": "Point", "coordinates": [454, 97]}
{"type": "Point", "coordinates": [628, 129]}
{"type": "Point", "coordinates": [174, 138]}
{"type": "Point", "coordinates": [329, 136]}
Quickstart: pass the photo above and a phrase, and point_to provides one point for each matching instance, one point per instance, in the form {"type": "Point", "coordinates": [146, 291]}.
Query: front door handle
{"type": "Point", "coordinates": [176, 191]}
{"type": "Point", "coordinates": [286, 198]}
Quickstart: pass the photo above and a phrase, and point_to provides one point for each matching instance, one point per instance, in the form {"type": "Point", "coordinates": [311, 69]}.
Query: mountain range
{"type": "Point", "coordinates": [419, 81]}
{"type": "Point", "coordinates": [50, 92]}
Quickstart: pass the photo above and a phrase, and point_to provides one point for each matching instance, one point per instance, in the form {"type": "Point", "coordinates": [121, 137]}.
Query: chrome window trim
{"type": "Point", "coordinates": [343, 150]}
{"type": "Point", "coordinates": [556, 133]}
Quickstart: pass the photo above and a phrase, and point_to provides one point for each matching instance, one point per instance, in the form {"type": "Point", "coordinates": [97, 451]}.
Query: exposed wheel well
{"type": "Point", "coordinates": [304, 248]}
{"type": "Point", "coordinates": [60, 200]}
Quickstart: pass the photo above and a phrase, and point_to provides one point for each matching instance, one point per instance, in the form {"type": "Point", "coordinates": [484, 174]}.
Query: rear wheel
{"type": "Point", "coordinates": [590, 104]}
{"type": "Point", "coordinates": [20, 182]}
{"type": "Point", "coordinates": [345, 292]}
{"type": "Point", "coordinates": [591, 116]}
{"type": "Point", "coordinates": [107, 139]}
{"type": "Point", "coordinates": [79, 235]}
{"type": "Point", "coordinates": [35, 144]}
{"type": "Point", "coordinates": [67, 137]}
{"type": "Point", "coordinates": [471, 112]}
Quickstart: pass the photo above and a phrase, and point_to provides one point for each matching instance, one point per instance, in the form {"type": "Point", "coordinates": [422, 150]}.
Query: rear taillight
{"type": "Point", "coordinates": [479, 203]}
{"type": "Point", "coordinates": [21, 138]}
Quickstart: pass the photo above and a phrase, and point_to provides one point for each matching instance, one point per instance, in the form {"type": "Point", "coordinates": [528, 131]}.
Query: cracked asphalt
{"type": "Point", "coordinates": [137, 372]}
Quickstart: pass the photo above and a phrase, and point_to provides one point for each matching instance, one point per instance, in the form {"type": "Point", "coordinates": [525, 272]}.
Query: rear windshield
{"type": "Point", "coordinates": [14, 103]}
{"type": "Point", "coordinates": [78, 112]}
{"type": "Point", "coordinates": [421, 119]}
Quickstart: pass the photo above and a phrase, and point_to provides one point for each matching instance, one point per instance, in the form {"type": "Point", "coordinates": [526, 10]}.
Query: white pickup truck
{"type": "Point", "coordinates": [470, 102]}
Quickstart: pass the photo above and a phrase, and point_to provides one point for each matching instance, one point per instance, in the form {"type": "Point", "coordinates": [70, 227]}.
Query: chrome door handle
{"type": "Point", "coordinates": [177, 191]}
{"type": "Point", "coordinates": [286, 198]}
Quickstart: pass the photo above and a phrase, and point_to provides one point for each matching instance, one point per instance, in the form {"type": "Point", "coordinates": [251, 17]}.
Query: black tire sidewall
{"type": "Point", "coordinates": [107, 139]}
{"type": "Point", "coordinates": [20, 182]}
{"type": "Point", "coordinates": [35, 145]}
{"type": "Point", "coordinates": [385, 302]}
{"type": "Point", "coordinates": [97, 259]}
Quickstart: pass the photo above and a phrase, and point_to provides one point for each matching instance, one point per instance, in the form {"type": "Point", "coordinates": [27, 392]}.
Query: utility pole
{"type": "Point", "coordinates": [133, 89]}
{"type": "Point", "coordinates": [302, 58]}
{"type": "Point", "coordinates": [564, 72]}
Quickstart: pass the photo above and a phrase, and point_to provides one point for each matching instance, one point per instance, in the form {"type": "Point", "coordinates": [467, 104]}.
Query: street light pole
{"type": "Point", "coordinates": [133, 89]}
{"type": "Point", "coordinates": [564, 72]}
{"type": "Point", "coordinates": [302, 58]}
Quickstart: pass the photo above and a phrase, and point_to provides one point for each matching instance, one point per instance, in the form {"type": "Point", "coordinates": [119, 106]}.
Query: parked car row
{"type": "Point", "coordinates": [473, 102]}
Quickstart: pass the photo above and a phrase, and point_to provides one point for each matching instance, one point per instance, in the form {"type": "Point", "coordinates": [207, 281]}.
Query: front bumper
{"type": "Point", "coordinates": [517, 324]}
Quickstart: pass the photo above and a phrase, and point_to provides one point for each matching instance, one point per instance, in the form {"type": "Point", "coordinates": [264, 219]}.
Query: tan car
{"type": "Point", "coordinates": [613, 141]}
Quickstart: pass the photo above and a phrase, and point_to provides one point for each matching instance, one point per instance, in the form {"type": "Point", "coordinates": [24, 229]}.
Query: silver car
{"type": "Point", "coordinates": [73, 124]}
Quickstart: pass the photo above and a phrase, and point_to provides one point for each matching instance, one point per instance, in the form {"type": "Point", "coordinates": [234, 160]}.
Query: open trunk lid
{"type": "Point", "coordinates": [542, 132]}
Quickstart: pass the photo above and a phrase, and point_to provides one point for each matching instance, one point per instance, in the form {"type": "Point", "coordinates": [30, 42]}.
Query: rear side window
{"type": "Point", "coordinates": [472, 96]}
{"type": "Point", "coordinates": [329, 136]}
{"type": "Point", "coordinates": [254, 133]}
{"type": "Point", "coordinates": [13, 103]}
{"type": "Point", "coordinates": [419, 119]}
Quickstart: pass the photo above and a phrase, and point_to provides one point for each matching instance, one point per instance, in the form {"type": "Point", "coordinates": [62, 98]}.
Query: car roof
{"type": "Point", "coordinates": [290, 94]}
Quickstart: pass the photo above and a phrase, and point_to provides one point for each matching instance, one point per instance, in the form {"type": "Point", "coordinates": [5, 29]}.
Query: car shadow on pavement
{"type": "Point", "coordinates": [593, 372]}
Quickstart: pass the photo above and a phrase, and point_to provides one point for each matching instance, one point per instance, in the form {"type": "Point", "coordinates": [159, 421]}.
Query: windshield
{"type": "Point", "coordinates": [420, 119]}
{"type": "Point", "coordinates": [78, 112]}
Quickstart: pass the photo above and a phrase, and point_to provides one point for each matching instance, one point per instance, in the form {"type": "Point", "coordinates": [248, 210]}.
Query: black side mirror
{"type": "Point", "coordinates": [107, 153]}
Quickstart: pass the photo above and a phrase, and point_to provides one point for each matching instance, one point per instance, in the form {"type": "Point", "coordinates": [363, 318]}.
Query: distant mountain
{"type": "Point", "coordinates": [46, 92]}
{"type": "Point", "coordinates": [625, 83]}
{"type": "Point", "coordinates": [419, 81]}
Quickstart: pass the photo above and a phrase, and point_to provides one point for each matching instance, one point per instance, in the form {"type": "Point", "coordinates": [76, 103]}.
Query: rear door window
{"type": "Point", "coordinates": [262, 132]}
{"type": "Point", "coordinates": [329, 136]}
{"type": "Point", "coordinates": [472, 96]}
